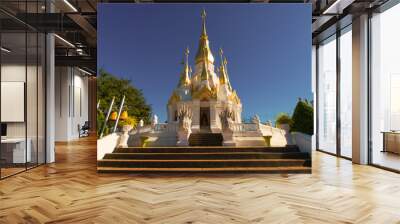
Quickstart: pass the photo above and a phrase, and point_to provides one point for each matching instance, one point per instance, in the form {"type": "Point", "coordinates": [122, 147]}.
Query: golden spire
{"type": "Point", "coordinates": [204, 48]}
{"type": "Point", "coordinates": [223, 76]}
{"type": "Point", "coordinates": [185, 79]}
{"type": "Point", "coordinates": [203, 31]}
{"type": "Point", "coordinates": [204, 73]}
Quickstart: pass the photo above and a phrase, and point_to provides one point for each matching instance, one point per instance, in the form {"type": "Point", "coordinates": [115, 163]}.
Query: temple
{"type": "Point", "coordinates": [205, 110]}
{"type": "Point", "coordinates": [207, 92]}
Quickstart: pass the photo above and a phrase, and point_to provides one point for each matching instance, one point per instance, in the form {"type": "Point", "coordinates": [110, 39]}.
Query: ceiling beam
{"type": "Point", "coordinates": [77, 61]}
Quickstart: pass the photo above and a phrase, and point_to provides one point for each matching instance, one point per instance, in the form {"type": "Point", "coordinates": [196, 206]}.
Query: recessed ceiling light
{"type": "Point", "coordinates": [5, 50]}
{"type": "Point", "coordinates": [64, 40]}
{"type": "Point", "coordinates": [70, 5]}
{"type": "Point", "coordinates": [84, 71]}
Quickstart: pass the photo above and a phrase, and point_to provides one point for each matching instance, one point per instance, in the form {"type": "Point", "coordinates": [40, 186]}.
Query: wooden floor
{"type": "Point", "coordinates": [70, 191]}
{"type": "Point", "coordinates": [387, 159]}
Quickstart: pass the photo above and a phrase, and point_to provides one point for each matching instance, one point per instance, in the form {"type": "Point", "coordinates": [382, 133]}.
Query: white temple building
{"type": "Point", "coordinates": [206, 92]}
{"type": "Point", "coordinates": [204, 110]}
{"type": "Point", "coordinates": [205, 107]}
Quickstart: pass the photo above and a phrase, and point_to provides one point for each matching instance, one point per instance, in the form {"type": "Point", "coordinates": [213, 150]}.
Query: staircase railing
{"type": "Point", "coordinates": [166, 127]}
{"type": "Point", "coordinates": [244, 127]}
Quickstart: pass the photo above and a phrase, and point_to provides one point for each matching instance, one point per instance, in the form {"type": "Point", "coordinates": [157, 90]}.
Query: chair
{"type": "Point", "coordinates": [84, 130]}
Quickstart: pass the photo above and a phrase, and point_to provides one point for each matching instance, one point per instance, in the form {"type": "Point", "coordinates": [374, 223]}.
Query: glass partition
{"type": "Point", "coordinates": [22, 92]}
{"type": "Point", "coordinates": [346, 92]}
{"type": "Point", "coordinates": [13, 94]}
{"type": "Point", "coordinates": [327, 95]}
{"type": "Point", "coordinates": [31, 97]}
{"type": "Point", "coordinates": [385, 89]}
{"type": "Point", "coordinates": [41, 96]}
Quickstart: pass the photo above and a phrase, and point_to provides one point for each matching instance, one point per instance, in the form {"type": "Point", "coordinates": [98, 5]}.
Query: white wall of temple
{"type": "Point", "coordinates": [71, 102]}
{"type": "Point", "coordinates": [216, 108]}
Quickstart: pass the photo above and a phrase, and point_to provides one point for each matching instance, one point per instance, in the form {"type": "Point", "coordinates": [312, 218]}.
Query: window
{"type": "Point", "coordinates": [385, 88]}
{"type": "Point", "coordinates": [327, 95]}
{"type": "Point", "coordinates": [346, 92]}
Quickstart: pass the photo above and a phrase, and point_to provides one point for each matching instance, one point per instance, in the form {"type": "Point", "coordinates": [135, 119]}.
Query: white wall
{"type": "Point", "coordinates": [16, 73]}
{"type": "Point", "coordinates": [33, 126]}
{"type": "Point", "coordinates": [314, 92]}
{"type": "Point", "coordinates": [71, 102]}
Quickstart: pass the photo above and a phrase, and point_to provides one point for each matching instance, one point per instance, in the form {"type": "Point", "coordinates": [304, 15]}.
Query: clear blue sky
{"type": "Point", "coordinates": [268, 47]}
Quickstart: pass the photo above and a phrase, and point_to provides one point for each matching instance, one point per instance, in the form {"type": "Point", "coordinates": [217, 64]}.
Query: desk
{"type": "Point", "coordinates": [391, 142]}
{"type": "Point", "coordinates": [13, 150]}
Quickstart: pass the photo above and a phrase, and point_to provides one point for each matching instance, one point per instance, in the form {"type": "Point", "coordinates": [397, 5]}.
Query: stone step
{"type": "Point", "coordinates": [208, 155]}
{"type": "Point", "coordinates": [265, 170]}
{"type": "Point", "coordinates": [206, 159]}
{"type": "Point", "coordinates": [206, 149]}
{"type": "Point", "coordinates": [205, 139]}
{"type": "Point", "coordinates": [207, 163]}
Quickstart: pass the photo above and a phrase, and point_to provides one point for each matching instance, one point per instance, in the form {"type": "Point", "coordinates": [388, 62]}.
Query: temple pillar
{"type": "Point", "coordinates": [195, 116]}
{"type": "Point", "coordinates": [213, 113]}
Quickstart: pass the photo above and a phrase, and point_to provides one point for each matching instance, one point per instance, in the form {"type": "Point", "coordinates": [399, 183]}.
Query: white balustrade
{"type": "Point", "coordinates": [244, 127]}
{"type": "Point", "coordinates": [166, 127]}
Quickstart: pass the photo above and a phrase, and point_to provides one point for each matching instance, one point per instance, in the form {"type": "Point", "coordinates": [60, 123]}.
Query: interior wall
{"type": "Point", "coordinates": [71, 102]}
{"type": "Point", "coordinates": [92, 98]}
{"type": "Point", "coordinates": [314, 92]}
{"type": "Point", "coordinates": [16, 72]}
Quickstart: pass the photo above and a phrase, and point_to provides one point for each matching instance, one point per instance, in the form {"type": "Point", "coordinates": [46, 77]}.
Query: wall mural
{"type": "Point", "coordinates": [240, 100]}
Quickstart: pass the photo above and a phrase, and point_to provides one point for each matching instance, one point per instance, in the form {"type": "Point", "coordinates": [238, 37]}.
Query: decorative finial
{"type": "Point", "coordinates": [203, 17]}
{"type": "Point", "coordinates": [221, 53]}
{"type": "Point", "coordinates": [187, 55]}
{"type": "Point", "coordinates": [185, 80]}
{"type": "Point", "coordinates": [203, 14]}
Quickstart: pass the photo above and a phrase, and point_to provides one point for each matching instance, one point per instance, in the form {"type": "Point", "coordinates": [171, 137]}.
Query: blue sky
{"type": "Point", "coordinates": [268, 47]}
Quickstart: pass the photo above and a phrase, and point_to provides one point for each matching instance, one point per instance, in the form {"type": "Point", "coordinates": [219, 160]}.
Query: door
{"type": "Point", "coordinates": [204, 118]}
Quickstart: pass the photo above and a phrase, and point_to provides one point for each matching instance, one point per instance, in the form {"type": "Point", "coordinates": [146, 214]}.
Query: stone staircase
{"type": "Point", "coordinates": [205, 139]}
{"type": "Point", "coordinates": [209, 159]}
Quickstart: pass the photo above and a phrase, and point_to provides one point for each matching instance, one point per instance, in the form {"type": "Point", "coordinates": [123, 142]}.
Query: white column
{"type": "Point", "coordinates": [196, 116]}
{"type": "Point", "coordinates": [50, 98]}
{"type": "Point", "coordinates": [64, 125]}
{"type": "Point", "coordinates": [360, 90]}
{"type": "Point", "coordinates": [314, 92]}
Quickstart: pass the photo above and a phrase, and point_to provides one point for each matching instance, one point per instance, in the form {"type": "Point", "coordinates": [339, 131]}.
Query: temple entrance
{"type": "Point", "coordinates": [205, 119]}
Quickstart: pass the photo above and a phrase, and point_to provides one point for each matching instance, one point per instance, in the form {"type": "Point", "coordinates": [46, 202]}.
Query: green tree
{"type": "Point", "coordinates": [303, 118]}
{"type": "Point", "coordinates": [109, 86]}
{"type": "Point", "coordinates": [283, 118]}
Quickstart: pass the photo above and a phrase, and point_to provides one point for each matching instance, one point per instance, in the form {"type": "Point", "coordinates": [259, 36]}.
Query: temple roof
{"type": "Point", "coordinates": [204, 84]}
{"type": "Point", "coordinates": [204, 52]}
{"type": "Point", "coordinates": [184, 79]}
{"type": "Point", "coordinates": [223, 72]}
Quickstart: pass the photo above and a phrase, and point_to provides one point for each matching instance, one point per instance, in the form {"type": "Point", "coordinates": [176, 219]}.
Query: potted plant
{"type": "Point", "coordinates": [127, 124]}
{"type": "Point", "coordinates": [283, 121]}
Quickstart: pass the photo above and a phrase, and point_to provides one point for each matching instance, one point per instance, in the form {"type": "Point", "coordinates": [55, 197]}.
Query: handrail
{"type": "Point", "coordinates": [244, 127]}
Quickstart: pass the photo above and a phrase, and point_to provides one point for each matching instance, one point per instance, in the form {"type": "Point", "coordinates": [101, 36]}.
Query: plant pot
{"type": "Point", "coordinates": [127, 128]}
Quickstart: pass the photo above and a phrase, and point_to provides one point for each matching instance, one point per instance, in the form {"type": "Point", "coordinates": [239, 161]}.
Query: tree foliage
{"type": "Point", "coordinates": [109, 86]}
{"type": "Point", "coordinates": [283, 118]}
{"type": "Point", "coordinates": [303, 118]}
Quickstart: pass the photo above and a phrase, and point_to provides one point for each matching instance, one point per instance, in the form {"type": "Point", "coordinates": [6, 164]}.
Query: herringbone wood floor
{"type": "Point", "coordinates": [70, 191]}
